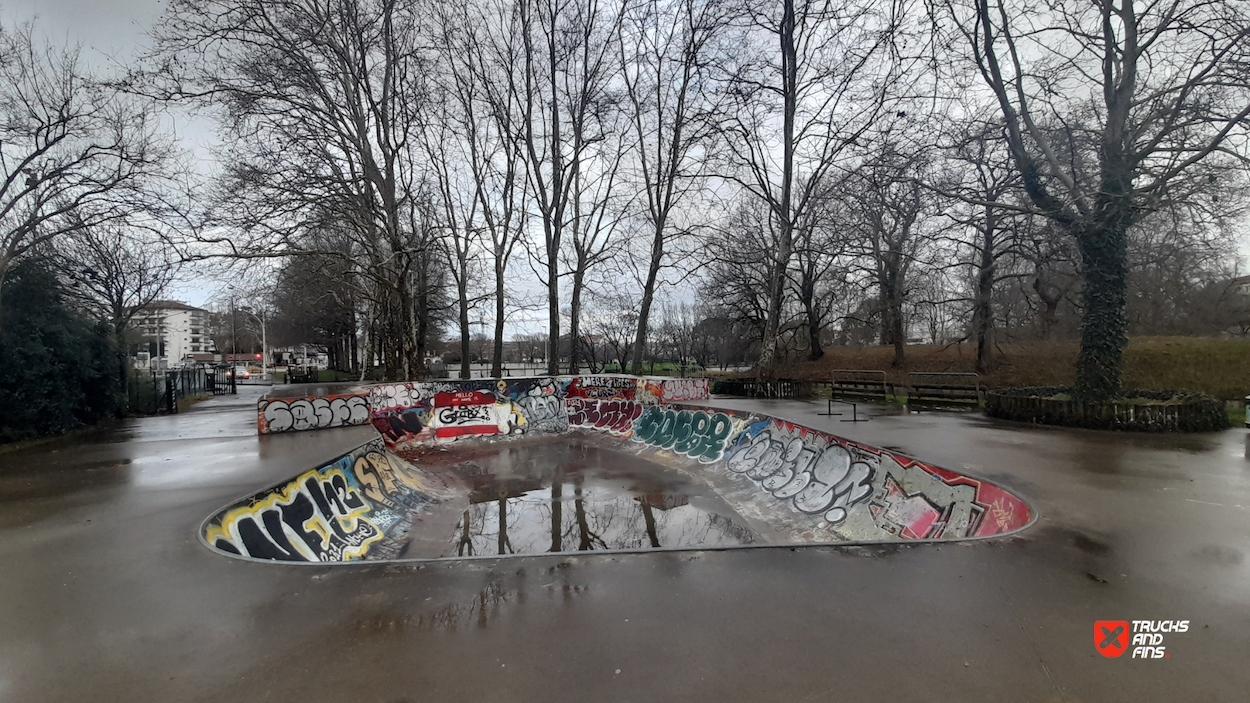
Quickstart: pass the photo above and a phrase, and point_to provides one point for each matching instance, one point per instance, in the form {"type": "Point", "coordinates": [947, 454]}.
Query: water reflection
{"type": "Point", "coordinates": [545, 498]}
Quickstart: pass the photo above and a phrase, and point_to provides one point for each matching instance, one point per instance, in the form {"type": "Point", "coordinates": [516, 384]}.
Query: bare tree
{"type": "Point", "coordinates": [612, 319]}
{"type": "Point", "coordinates": [75, 155]}
{"type": "Point", "coordinates": [115, 273]}
{"type": "Point", "coordinates": [1111, 109]}
{"type": "Point", "coordinates": [990, 233]}
{"type": "Point", "coordinates": [458, 207]}
{"type": "Point", "coordinates": [819, 274]}
{"type": "Point", "coordinates": [479, 47]}
{"type": "Point", "coordinates": [666, 63]}
{"type": "Point", "coordinates": [598, 209]}
{"type": "Point", "coordinates": [823, 87]}
{"type": "Point", "coordinates": [566, 68]}
{"type": "Point", "coordinates": [319, 104]}
{"type": "Point", "coordinates": [887, 203]}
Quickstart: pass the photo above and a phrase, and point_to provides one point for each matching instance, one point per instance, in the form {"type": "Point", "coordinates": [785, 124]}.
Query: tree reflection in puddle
{"type": "Point", "coordinates": [563, 498]}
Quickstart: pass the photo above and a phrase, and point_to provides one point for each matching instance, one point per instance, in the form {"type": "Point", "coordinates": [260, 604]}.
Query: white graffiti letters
{"type": "Point", "coordinates": [542, 410]}
{"type": "Point", "coordinates": [685, 389]}
{"type": "Point", "coordinates": [815, 479]}
{"type": "Point", "coordinates": [314, 413]}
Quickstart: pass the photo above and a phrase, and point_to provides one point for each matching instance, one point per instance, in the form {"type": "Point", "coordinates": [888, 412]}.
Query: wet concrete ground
{"type": "Point", "coordinates": [106, 594]}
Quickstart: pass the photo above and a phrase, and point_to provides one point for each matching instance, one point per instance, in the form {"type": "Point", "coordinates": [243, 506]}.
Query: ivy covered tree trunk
{"type": "Point", "coordinates": [983, 302]}
{"type": "Point", "coordinates": [1103, 326]}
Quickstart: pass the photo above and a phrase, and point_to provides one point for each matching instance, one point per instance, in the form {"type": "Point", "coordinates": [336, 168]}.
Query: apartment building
{"type": "Point", "coordinates": [170, 333]}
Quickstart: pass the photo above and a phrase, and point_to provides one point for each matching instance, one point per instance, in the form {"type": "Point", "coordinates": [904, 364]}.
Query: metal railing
{"type": "Point", "coordinates": [779, 388]}
{"type": "Point", "coordinates": [860, 383]}
{"type": "Point", "coordinates": [152, 392]}
{"type": "Point", "coordinates": [944, 387]}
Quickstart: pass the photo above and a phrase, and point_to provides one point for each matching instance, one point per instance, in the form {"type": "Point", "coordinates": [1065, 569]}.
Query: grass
{"type": "Point", "coordinates": [665, 369]}
{"type": "Point", "coordinates": [332, 376]}
{"type": "Point", "coordinates": [1237, 416]}
{"type": "Point", "coordinates": [1215, 366]}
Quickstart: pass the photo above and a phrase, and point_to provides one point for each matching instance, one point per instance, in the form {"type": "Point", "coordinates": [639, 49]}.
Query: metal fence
{"type": "Point", "coordinates": [151, 392]}
{"type": "Point", "coordinates": [778, 388]}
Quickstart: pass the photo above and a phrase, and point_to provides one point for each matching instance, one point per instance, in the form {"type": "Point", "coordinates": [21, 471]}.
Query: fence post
{"type": "Point", "coordinates": [171, 403]}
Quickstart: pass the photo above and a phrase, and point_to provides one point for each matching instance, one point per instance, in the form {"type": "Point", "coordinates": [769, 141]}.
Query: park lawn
{"type": "Point", "coordinates": [666, 369]}
{"type": "Point", "coordinates": [1216, 366]}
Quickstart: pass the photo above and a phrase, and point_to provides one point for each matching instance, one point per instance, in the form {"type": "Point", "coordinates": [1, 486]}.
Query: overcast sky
{"type": "Point", "coordinates": [107, 27]}
{"type": "Point", "coordinates": [113, 32]}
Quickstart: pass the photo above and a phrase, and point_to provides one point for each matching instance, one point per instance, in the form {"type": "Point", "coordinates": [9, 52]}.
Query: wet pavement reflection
{"type": "Point", "coordinates": [530, 499]}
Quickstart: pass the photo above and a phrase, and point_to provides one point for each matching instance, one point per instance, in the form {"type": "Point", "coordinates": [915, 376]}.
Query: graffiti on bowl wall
{"type": "Point", "coordinates": [602, 387]}
{"type": "Point", "coordinates": [697, 434]}
{"type": "Point", "coordinates": [865, 490]}
{"type": "Point", "coordinates": [339, 512]}
{"type": "Point", "coordinates": [319, 413]}
{"type": "Point", "coordinates": [615, 416]}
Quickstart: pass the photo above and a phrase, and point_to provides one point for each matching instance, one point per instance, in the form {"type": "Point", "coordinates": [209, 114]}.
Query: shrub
{"type": "Point", "coordinates": [1138, 410]}
{"type": "Point", "coordinates": [57, 367]}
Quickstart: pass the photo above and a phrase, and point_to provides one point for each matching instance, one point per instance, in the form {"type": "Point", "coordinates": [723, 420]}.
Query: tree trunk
{"type": "Point", "coordinates": [503, 525]}
{"type": "Point", "coordinates": [1103, 326]}
{"type": "Point", "coordinates": [777, 277]}
{"type": "Point", "coordinates": [583, 525]}
{"type": "Point", "coordinates": [463, 293]}
{"type": "Point", "coordinates": [4, 269]}
{"type": "Point", "coordinates": [123, 370]}
{"type": "Point", "coordinates": [808, 293]}
{"type": "Point", "coordinates": [466, 543]}
{"type": "Point", "coordinates": [408, 326]}
{"type": "Point", "coordinates": [983, 311]}
{"type": "Point", "coordinates": [354, 341]}
{"type": "Point", "coordinates": [648, 296]}
{"type": "Point", "coordinates": [422, 331]}
{"type": "Point", "coordinates": [575, 310]}
{"type": "Point", "coordinates": [648, 518]}
{"type": "Point", "coordinates": [899, 341]}
{"type": "Point", "coordinates": [496, 364]}
{"type": "Point", "coordinates": [553, 311]}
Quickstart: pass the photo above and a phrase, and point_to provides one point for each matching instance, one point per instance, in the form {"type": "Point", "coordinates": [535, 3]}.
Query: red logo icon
{"type": "Point", "coordinates": [1111, 637]}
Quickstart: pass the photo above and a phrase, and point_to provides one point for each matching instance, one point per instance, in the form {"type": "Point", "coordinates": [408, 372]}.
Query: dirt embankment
{"type": "Point", "coordinates": [1219, 367]}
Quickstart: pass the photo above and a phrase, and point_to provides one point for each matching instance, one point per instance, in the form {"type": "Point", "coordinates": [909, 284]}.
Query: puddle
{"type": "Point", "coordinates": [549, 497]}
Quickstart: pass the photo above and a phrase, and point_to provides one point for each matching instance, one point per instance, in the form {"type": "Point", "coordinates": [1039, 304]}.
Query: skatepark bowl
{"type": "Point", "coordinates": [485, 468]}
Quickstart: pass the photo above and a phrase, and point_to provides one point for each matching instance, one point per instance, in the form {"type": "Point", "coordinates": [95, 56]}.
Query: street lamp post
{"type": "Point", "coordinates": [264, 341]}
{"type": "Point", "coordinates": [264, 344]}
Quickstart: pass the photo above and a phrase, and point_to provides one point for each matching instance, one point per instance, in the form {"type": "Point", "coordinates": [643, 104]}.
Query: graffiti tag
{"type": "Point", "coordinates": [316, 517]}
{"type": "Point", "coordinates": [313, 413]}
{"type": "Point", "coordinates": [615, 416]}
{"type": "Point", "coordinates": [694, 433]}
{"type": "Point", "coordinates": [677, 389]}
{"type": "Point", "coordinates": [602, 387]}
{"type": "Point", "coordinates": [816, 479]}
{"type": "Point", "coordinates": [542, 411]}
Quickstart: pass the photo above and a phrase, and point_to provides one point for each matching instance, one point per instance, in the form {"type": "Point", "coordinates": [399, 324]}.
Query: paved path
{"type": "Point", "coordinates": [106, 594]}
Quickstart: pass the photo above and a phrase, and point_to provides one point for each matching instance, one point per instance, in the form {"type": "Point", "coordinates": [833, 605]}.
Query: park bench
{"type": "Point", "coordinates": [943, 388]}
